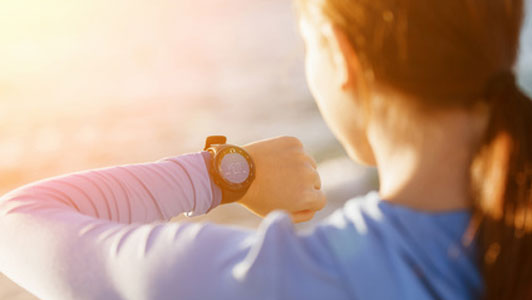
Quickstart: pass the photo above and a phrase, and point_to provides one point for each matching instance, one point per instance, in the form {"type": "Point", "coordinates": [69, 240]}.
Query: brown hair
{"type": "Point", "coordinates": [457, 53]}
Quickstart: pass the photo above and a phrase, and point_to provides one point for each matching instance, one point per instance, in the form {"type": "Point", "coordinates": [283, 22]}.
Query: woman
{"type": "Point", "coordinates": [424, 90]}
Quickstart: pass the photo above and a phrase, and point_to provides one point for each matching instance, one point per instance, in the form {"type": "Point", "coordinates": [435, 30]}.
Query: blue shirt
{"type": "Point", "coordinates": [369, 249]}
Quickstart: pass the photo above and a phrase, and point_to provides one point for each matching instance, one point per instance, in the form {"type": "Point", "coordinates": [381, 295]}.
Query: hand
{"type": "Point", "coordinates": [285, 178]}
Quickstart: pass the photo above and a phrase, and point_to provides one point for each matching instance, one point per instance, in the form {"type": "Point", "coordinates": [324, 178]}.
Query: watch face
{"type": "Point", "coordinates": [234, 167]}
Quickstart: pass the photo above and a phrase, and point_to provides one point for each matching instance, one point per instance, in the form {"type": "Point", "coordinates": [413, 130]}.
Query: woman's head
{"type": "Point", "coordinates": [368, 58]}
{"type": "Point", "coordinates": [434, 54]}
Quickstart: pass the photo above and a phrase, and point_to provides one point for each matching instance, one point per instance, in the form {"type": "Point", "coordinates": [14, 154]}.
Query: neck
{"type": "Point", "coordinates": [428, 171]}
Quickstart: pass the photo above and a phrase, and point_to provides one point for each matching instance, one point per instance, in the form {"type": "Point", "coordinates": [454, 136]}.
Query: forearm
{"type": "Point", "coordinates": [56, 233]}
{"type": "Point", "coordinates": [125, 194]}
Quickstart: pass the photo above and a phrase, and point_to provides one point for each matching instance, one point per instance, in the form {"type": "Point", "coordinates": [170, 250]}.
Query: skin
{"type": "Point", "coordinates": [423, 157]}
{"type": "Point", "coordinates": [286, 178]}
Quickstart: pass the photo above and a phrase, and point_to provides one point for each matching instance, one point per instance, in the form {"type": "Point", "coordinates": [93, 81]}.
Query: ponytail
{"type": "Point", "coordinates": [501, 175]}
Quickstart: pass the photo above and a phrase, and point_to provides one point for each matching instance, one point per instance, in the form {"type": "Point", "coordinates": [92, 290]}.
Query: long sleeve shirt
{"type": "Point", "coordinates": [103, 234]}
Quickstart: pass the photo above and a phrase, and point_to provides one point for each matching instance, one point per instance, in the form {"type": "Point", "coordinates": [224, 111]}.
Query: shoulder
{"type": "Point", "coordinates": [370, 217]}
{"type": "Point", "coordinates": [388, 251]}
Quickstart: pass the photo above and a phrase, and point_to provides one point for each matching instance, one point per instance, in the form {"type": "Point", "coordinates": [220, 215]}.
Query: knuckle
{"type": "Point", "coordinates": [314, 201]}
{"type": "Point", "coordinates": [311, 174]}
{"type": "Point", "coordinates": [312, 161]}
{"type": "Point", "coordinates": [321, 200]}
{"type": "Point", "coordinates": [306, 158]}
{"type": "Point", "coordinates": [313, 177]}
{"type": "Point", "coordinates": [316, 174]}
{"type": "Point", "coordinates": [301, 157]}
{"type": "Point", "coordinates": [292, 141]}
{"type": "Point", "coordinates": [306, 170]}
{"type": "Point", "coordinates": [304, 162]}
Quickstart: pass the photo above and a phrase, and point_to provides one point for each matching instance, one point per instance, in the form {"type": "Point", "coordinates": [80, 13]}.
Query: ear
{"type": "Point", "coordinates": [343, 55]}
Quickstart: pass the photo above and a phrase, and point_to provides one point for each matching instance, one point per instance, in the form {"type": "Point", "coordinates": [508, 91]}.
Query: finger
{"type": "Point", "coordinates": [312, 162]}
{"type": "Point", "coordinates": [317, 201]}
{"type": "Point", "coordinates": [311, 176]}
{"type": "Point", "coordinates": [317, 181]}
{"type": "Point", "coordinates": [314, 200]}
{"type": "Point", "coordinates": [303, 216]}
{"type": "Point", "coordinates": [291, 141]}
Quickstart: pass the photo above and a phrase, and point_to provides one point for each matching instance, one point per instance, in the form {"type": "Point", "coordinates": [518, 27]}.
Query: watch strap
{"type": "Point", "coordinates": [217, 194]}
{"type": "Point", "coordinates": [232, 196]}
{"type": "Point", "coordinates": [214, 140]}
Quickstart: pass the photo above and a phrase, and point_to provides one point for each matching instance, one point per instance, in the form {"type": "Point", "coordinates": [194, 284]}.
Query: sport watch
{"type": "Point", "coordinates": [231, 167]}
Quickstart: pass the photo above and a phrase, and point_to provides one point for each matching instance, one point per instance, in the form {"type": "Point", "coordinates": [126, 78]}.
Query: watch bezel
{"type": "Point", "coordinates": [217, 160]}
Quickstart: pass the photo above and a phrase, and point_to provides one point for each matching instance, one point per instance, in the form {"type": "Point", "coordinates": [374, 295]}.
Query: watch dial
{"type": "Point", "coordinates": [234, 168]}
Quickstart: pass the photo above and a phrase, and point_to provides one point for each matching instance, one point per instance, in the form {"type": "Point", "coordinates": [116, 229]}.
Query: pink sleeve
{"type": "Point", "coordinates": [139, 193]}
{"type": "Point", "coordinates": [88, 235]}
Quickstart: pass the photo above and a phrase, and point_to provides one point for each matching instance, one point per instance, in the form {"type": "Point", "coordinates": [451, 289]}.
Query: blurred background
{"type": "Point", "coordinates": [87, 84]}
